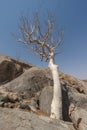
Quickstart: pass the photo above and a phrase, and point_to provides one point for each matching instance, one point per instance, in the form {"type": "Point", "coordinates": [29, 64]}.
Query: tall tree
{"type": "Point", "coordinates": [44, 43]}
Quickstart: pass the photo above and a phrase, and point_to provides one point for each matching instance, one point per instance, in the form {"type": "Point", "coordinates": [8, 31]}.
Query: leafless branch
{"type": "Point", "coordinates": [41, 43]}
{"type": "Point", "coordinates": [60, 39]}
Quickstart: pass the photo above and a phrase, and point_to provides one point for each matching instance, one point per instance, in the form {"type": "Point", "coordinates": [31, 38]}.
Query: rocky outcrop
{"type": "Point", "coordinates": [20, 120]}
{"type": "Point", "coordinates": [46, 99]}
{"type": "Point", "coordinates": [27, 90]}
{"type": "Point", "coordinates": [79, 117]}
{"type": "Point", "coordinates": [29, 83]}
{"type": "Point", "coordinates": [79, 85]}
{"type": "Point", "coordinates": [11, 68]}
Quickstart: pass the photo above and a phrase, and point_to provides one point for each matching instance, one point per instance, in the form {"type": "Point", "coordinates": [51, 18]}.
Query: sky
{"type": "Point", "coordinates": [69, 15]}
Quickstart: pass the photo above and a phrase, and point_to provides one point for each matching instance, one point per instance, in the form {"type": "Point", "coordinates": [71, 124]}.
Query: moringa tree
{"type": "Point", "coordinates": [44, 43]}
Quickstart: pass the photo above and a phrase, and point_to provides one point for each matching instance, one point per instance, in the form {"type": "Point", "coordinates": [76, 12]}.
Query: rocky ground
{"type": "Point", "coordinates": [26, 95]}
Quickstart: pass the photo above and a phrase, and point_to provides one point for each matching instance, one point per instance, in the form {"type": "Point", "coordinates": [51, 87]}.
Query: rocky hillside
{"type": "Point", "coordinates": [26, 94]}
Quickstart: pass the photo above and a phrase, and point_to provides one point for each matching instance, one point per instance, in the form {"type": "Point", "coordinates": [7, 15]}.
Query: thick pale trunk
{"type": "Point", "coordinates": [56, 106]}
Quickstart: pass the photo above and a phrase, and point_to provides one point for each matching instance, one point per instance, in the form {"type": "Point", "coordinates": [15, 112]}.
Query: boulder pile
{"type": "Point", "coordinates": [26, 94]}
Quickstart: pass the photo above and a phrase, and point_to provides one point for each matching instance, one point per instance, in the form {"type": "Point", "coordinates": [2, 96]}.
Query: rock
{"type": "Point", "coordinates": [1, 104]}
{"type": "Point", "coordinates": [11, 105]}
{"type": "Point", "coordinates": [78, 117]}
{"type": "Point", "coordinates": [79, 85]}
{"type": "Point", "coordinates": [65, 101]}
{"type": "Point", "coordinates": [24, 87]}
{"type": "Point", "coordinates": [29, 83]}
{"type": "Point", "coordinates": [46, 99]}
{"type": "Point", "coordinates": [11, 68]}
{"type": "Point", "coordinates": [15, 119]}
{"type": "Point", "coordinates": [24, 105]}
{"type": "Point", "coordinates": [69, 95]}
{"type": "Point", "coordinates": [78, 99]}
{"type": "Point", "coordinates": [29, 105]}
{"type": "Point", "coordinates": [4, 99]}
{"type": "Point", "coordinates": [7, 71]}
{"type": "Point", "coordinates": [9, 97]}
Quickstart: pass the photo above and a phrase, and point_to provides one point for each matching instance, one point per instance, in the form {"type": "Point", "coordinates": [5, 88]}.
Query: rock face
{"type": "Point", "coordinates": [29, 83]}
{"type": "Point", "coordinates": [26, 95]}
{"type": "Point", "coordinates": [46, 98]}
{"type": "Point", "coordinates": [79, 117]}
{"type": "Point", "coordinates": [10, 68]}
{"type": "Point", "coordinates": [21, 120]}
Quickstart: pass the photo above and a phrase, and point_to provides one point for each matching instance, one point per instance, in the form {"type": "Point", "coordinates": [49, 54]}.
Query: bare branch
{"type": "Point", "coordinates": [41, 44]}
{"type": "Point", "coordinates": [57, 53]}
{"type": "Point", "coordinates": [60, 39]}
{"type": "Point", "coordinates": [48, 30]}
{"type": "Point", "coordinates": [37, 25]}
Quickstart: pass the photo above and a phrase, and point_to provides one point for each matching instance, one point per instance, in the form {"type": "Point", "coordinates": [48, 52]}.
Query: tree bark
{"type": "Point", "coordinates": [56, 105]}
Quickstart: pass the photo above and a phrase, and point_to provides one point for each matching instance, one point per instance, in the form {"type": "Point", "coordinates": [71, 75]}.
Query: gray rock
{"type": "Point", "coordinates": [78, 99]}
{"type": "Point", "coordinates": [1, 104]}
{"type": "Point", "coordinates": [15, 119]}
{"type": "Point", "coordinates": [78, 117]}
{"type": "Point", "coordinates": [65, 101]}
{"type": "Point", "coordinates": [46, 99]}
{"type": "Point", "coordinates": [29, 105]}
{"type": "Point", "coordinates": [29, 83]}
{"type": "Point", "coordinates": [69, 95]}
{"type": "Point", "coordinates": [7, 71]}
{"type": "Point", "coordinates": [10, 68]}
{"type": "Point", "coordinates": [79, 85]}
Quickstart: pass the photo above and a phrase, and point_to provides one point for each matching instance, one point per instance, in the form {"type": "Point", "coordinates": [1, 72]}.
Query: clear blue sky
{"type": "Point", "coordinates": [70, 15]}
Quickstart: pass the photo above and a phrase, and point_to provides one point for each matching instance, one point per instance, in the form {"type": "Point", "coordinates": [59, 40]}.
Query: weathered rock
{"type": "Point", "coordinates": [24, 105]}
{"type": "Point", "coordinates": [79, 85]}
{"type": "Point", "coordinates": [29, 105]}
{"type": "Point", "coordinates": [15, 119]}
{"type": "Point", "coordinates": [11, 68]}
{"type": "Point", "coordinates": [46, 99]}
{"type": "Point", "coordinates": [71, 95]}
{"type": "Point", "coordinates": [78, 117]}
{"type": "Point", "coordinates": [65, 101]}
{"type": "Point", "coordinates": [29, 83]}
{"type": "Point", "coordinates": [8, 71]}
{"type": "Point", "coordinates": [78, 99]}
{"type": "Point", "coordinates": [31, 88]}
{"type": "Point", "coordinates": [9, 97]}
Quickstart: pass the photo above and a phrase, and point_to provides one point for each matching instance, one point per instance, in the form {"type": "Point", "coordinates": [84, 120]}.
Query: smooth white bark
{"type": "Point", "coordinates": [56, 106]}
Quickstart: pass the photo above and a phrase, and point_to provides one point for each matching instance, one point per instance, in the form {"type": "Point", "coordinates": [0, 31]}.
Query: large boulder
{"type": "Point", "coordinates": [29, 83]}
{"type": "Point", "coordinates": [11, 68]}
{"type": "Point", "coordinates": [79, 85]}
{"type": "Point", "coordinates": [78, 99]}
{"type": "Point", "coordinates": [20, 120]}
{"type": "Point", "coordinates": [30, 88]}
{"type": "Point", "coordinates": [46, 100]}
{"type": "Point", "coordinates": [78, 117]}
{"type": "Point", "coordinates": [69, 95]}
